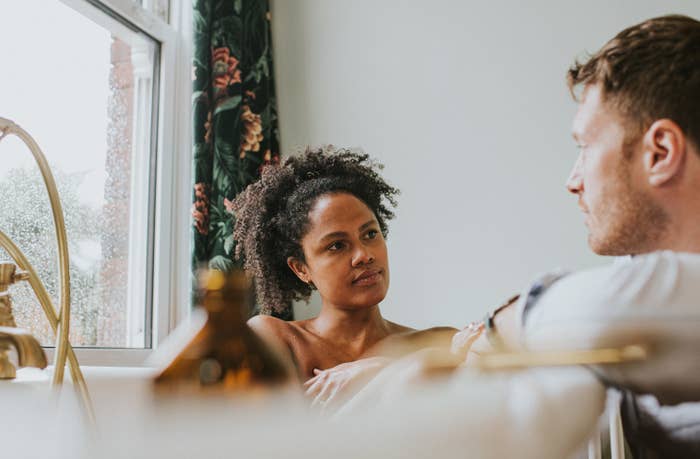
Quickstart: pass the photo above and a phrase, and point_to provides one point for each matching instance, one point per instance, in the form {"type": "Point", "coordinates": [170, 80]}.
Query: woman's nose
{"type": "Point", "coordinates": [362, 255]}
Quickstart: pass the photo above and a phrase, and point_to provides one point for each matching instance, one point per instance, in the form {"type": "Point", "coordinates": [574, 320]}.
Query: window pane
{"type": "Point", "coordinates": [160, 8]}
{"type": "Point", "coordinates": [83, 88]}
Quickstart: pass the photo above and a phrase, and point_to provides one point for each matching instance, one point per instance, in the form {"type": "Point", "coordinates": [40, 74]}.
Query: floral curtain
{"type": "Point", "coordinates": [235, 118]}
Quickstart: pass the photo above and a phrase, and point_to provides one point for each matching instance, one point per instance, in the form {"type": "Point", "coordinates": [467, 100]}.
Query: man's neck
{"type": "Point", "coordinates": [684, 207]}
{"type": "Point", "coordinates": [682, 237]}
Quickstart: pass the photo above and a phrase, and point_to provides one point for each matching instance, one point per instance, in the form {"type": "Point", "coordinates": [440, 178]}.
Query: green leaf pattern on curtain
{"type": "Point", "coordinates": [235, 118]}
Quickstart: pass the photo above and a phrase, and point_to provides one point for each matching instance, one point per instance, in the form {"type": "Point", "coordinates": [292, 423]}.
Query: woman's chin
{"type": "Point", "coordinates": [370, 300]}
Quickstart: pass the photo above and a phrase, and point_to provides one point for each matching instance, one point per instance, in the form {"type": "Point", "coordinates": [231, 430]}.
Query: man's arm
{"type": "Point", "coordinates": [651, 300]}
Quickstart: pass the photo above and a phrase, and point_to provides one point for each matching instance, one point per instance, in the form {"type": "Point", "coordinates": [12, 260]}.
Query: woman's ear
{"type": "Point", "coordinates": [664, 151]}
{"type": "Point", "coordinates": [299, 268]}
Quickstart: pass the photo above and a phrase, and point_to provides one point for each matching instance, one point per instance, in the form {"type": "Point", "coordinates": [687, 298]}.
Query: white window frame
{"type": "Point", "coordinates": [171, 244]}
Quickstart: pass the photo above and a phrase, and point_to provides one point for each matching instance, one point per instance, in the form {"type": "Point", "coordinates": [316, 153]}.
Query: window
{"type": "Point", "coordinates": [160, 8]}
{"type": "Point", "coordinates": [94, 83]}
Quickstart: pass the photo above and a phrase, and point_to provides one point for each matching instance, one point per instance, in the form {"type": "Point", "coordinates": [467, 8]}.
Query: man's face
{"type": "Point", "coordinates": [608, 178]}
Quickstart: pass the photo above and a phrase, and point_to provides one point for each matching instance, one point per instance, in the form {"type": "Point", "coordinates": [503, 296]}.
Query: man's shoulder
{"type": "Point", "coordinates": [658, 261]}
{"type": "Point", "coordinates": [642, 280]}
{"type": "Point", "coordinates": [655, 293]}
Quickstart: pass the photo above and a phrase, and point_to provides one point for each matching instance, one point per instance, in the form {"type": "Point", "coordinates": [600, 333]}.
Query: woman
{"type": "Point", "coordinates": [318, 222]}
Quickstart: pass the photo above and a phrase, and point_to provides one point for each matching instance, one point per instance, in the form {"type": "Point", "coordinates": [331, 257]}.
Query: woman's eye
{"type": "Point", "coordinates": [371, 234]}
{"type": "Point", "coordinates": [335, 246]}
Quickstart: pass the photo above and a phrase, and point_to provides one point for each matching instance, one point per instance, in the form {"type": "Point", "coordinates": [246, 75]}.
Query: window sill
{"type": "Point", "coordinates": [106, 357]}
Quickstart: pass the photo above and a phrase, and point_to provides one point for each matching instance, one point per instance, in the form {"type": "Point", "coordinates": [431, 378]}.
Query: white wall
{"type": "Point", "coordinates": [465, 103]}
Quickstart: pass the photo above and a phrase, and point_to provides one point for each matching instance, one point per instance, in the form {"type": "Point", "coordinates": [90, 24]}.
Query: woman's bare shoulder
{"type": "Point", "coordinates": [435, 336]}
{"type": "Point", "coordinates": [395, 328]}
{"type": "Point", "coordinates": [267, 324]}
{"type": "Point", "coordinates": [405, 340]}
{"type": "Point", "coordinates": [436, 331]}
{"type": "Point", "coordinates": [272, 325]}
{"type": "Point", "coordinates": [408, 331]}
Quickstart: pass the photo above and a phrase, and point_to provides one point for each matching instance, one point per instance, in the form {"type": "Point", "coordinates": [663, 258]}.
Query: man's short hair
{"type": "Point", "coordinates": [649, 71]}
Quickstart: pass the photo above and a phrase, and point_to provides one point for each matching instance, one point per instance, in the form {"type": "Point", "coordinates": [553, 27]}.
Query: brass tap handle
{"type": "Point", "coordinates": [20, 276]}
{"type": "Point", "coordinates": [9, 274]}
{"type": "Point", "coordinates": [29, 351]}
{"type": "Point", "coordinates": [7, 319]}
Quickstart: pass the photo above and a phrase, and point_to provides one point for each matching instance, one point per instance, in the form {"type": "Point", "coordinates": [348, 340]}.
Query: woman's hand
{"type": "Point", "coordinates": [403, 378]}
{"type": "Point", "coordinates": [335, 385]}
{"type": "Point", "coordinates": [463, 340]}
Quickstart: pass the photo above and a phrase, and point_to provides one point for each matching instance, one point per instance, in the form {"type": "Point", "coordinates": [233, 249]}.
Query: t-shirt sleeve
{"type": "Point", "coordinates": [651, 300]}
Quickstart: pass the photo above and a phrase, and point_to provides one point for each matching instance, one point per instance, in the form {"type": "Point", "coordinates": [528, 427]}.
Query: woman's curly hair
{"type": "Point", "coordinates": [272, 215]}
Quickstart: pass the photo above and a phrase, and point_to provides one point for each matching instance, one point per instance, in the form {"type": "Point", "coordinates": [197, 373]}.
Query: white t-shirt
{"type": "Point", "coordinates": [651, 300]}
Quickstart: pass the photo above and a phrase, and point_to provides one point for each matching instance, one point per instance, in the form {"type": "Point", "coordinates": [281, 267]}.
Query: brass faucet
{"type": "Point", "coordinates": [59, 320]}
{"type": "Point", "coordinates": [29, 351]}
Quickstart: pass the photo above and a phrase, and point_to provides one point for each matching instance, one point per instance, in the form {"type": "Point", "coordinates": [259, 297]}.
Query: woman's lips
{"type": "Point", "coordinates": [367, 278]}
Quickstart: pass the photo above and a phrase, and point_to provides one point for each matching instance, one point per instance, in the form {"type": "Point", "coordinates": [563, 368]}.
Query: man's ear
{"type": "Point", "coordinates": [664, 151]}
{"type": "Point", "coordinates": [299, 268]}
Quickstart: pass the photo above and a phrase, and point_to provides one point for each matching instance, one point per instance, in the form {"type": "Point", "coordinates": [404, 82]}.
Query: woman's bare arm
{"type": "Point", "coordinates": [270, 330]}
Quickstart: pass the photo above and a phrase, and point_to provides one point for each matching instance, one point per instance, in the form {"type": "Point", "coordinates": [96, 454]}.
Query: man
{"type": "Point", "coordinates": [637, 176]}
{"type": "Point", "coordinates": [637, 179]}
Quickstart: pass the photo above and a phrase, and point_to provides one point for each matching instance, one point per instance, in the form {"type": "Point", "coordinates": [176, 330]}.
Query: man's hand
{"type": "Point", "coordinates": [331, 387]}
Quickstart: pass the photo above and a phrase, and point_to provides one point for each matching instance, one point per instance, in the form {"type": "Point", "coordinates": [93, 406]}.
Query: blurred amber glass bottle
{"type": "Point", "coordinates": [225, 354]}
